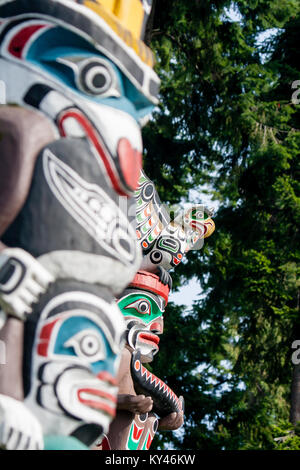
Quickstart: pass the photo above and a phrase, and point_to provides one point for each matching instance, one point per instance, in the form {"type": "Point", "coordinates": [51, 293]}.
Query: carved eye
{"type": "Point", "coordinates": [148, 191]}
{"type": "Point", "coordinates": [155, 426]}
{"type": "Point", "coordinates": [143, 417]}
{"type": "Point", "coordinates": [156, 257]}
{"type": "Point", "coordinates": [88, 344]}
{"type": "Point", "coordinates": [141, 306]}
{"type": "Point", "coordinates": [144, 307]}
{"type": "Point", "coordinates": [93, 76]}
{"type": "Point", "coordinates": [199, 215]}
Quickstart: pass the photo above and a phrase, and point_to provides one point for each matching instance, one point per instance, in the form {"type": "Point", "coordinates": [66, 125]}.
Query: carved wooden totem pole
{"type": "Point", "coordinates": [79, 85]}
{"type": "Point", "coordinates": [145, 403]}
{"type": "Point", "coordinates": [143, 397]}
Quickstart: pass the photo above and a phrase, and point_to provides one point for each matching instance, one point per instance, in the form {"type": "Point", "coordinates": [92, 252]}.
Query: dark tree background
{"type": "Point", "coordinates": [227, 122]}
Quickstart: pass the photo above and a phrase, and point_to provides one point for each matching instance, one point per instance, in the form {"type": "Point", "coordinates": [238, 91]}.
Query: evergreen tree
{"type": "Point", "coordinates": [227, 120]}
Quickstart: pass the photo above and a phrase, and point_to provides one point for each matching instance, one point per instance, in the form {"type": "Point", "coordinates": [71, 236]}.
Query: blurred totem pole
{"type": "Point", "coordinates": [79, 86]}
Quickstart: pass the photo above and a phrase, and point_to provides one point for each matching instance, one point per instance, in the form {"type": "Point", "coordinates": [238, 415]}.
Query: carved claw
{"type": "Point", "coordinates": [22, 281]}
{"type": "Point", "coordinates": [138, 404]}
{"type": "Point", "coordinates": [19, 429]}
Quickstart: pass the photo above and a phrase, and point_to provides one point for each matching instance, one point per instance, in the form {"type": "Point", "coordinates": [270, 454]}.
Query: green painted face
{"type": "Point", "coordinates": [143, 306]}
{"type": "Point", "coordinates": [143, 314]}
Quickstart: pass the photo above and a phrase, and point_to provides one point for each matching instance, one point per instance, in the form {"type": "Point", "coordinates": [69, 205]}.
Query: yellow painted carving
{"type": "Point", "coordinates": [131, 15]}
{"type": "Point", "coordinates": [125, 18]}
{"type": "Point", "coordinates": [108, 4]}
{"type": "Point", "coordinates": [210, 225]}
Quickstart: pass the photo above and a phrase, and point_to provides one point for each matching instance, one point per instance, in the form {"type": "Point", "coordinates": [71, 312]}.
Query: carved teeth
{"type": "Point", "coordinates": [158, 384]}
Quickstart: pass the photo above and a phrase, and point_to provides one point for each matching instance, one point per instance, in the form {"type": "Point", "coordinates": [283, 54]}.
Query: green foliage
{"type": "Point", "coordinates": [226, 120]}
{"type": "Point", "coordinates": [286, 437]}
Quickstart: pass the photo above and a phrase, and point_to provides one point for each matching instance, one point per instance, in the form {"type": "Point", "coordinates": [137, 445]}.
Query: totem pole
{"type": "Point", "coordinates": [142, 397]}
{"type": "Point", "coordinates": [79, 85]}
{"type": "Point", "coordinates": [164, 242]}
{"type": "Point", "coordinates": [145, 403]}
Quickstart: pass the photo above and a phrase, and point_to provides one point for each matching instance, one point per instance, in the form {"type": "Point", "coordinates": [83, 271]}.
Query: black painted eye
{"type": "Point", "coordinates": [143, 417]}
{"type": "Point", "coordinates": [95, 77]}
{"type": "Point", "coordinates": [156, 257]}
{"type": "Point", "coordinates": [144, 307]}
{"type": "Point", "coordinates": [148, 191]}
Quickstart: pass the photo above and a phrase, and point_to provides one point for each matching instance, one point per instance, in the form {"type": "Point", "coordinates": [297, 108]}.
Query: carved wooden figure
{"type": "Point", "coordinates": [164, 241]}
{"type": "Point", "coordinates": [79, 86]}
{"type": "Point", "coordinates": [145, 402]}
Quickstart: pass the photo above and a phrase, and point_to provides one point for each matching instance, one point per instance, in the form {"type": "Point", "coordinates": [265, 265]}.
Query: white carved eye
{"type": "Point", "coordinates": [96, 77]}
{"type": "Point", "coordinates": [141, 306]}
{"type": "Point", "coordinates": [199, 215]}
{"type": "Point", "coordinates": [144, 307]}
{"type": "Point", "coordinates": [88, 344]}
{"type": "Point", "coordinates": [93, 75]}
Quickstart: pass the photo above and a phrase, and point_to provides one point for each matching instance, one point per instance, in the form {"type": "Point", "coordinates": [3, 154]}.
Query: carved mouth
{"type": "Point", "coordinates": [165, 400]}
{"type": "Point", "coordinates": [149, 338]}
{"type": "Point", "coordinates": [204, 228]}
{"type": "Point", "coordinates": [199, 227]}
{"type": "Point", "coordinates": [98, 400]}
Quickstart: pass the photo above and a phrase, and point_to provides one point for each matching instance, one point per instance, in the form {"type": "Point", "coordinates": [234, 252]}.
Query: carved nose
{"type": "Point", "coordinates": [156, 327]}
{"type": "Point", "coordinates": [130, 161]}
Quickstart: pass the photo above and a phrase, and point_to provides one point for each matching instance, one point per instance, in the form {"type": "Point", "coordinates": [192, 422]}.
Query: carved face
{"type": "Point", "coordinates": [85, 92]}
{"type": "Point", "coordinates": [165, 242]}
{"type": "Point", "coordinates": [75, 359]}
{"type": "Point", "coordinates": [143, 313]}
